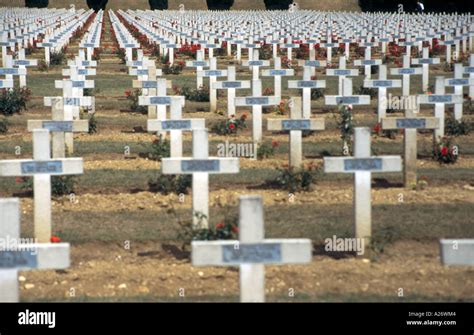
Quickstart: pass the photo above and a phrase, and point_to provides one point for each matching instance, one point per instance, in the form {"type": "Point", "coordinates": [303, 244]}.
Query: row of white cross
{"type": "Point", "coordinates": [38, 253]}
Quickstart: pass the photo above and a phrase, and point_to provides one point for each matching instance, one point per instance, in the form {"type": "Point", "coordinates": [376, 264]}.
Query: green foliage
{"type": "Point", "coordinates": [373, 92]}
{"type": "Point", "coordinates": [230, 126]}
{"type": "Point", "coordinates": [166, 184]}
{"type": "Point", "coordinates": [36, 3]}
{"type": "Point", "coordinates": [3, 125]}
{"type": "Point", "coordinates": [158, 4]}
{"type": "Point", "coordinates": [296, 180]}
{"type": "Point", "coordinates": [200, 95]}
{"type": "Point", "coordinates": [13, 100]}
{"type": "Point", "coordinates": [317, 93]}
{"type": "Point", "coordinates": [383, 237]}
{"type": "Point", "coordinates": [454, 127]}
{"type": "Point", "coordinates": [219, 4]}
{"type": "Point", "coordinates": [57, 58]}
{"type": "Point", "coordinates": [160, 148]}
{"type": "Point", "coordinates": [93, 124]}
{"type": "Point", "coordinates": [277, 4]}
{"type": "Point", "coordinates": [132, 97]}
{"type": "Point", "coordinates": [42, 66]}
{"type": "Point", "coordinates": [446, 151]}
{"type": "Point", "coordinates": [345, 123]}
{"type": "Point", "coordinates": [175, 69]}
{"type": "Point", "coordinates": [60, 185]}
{"type": "Point", "coordinates": [266, 150]}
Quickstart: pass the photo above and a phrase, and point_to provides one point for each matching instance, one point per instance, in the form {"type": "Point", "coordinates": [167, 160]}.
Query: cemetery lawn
{"type": "Point", "coordinates": [113, 207]}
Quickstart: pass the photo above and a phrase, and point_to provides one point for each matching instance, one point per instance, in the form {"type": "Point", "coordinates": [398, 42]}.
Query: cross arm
{"type": "Point", "coordinates": [410, 123]}
{"type": "Point", "coordinates": [210, 165]}
{"type": "Point", "coordinates": [183, 124]}
{"type": "Point", "coordinates": [369, 164]}
{"type": "Point", "coordinates": [295, 124]}
{"type": "Point", "coordinates": [36, 256]}
{"type": "Point", "coordinates": [77, 126]}
{"type": "Point", "coordinates": [27, 167]}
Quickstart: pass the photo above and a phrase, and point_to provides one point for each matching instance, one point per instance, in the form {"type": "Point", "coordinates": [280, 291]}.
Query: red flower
{"type": "Point", "coordinates": [275, 144]}
{"type": "Point", "coordinates": [235, 229]}
{"type": "Point", "coordinates": [231, 126]}
{"type": "Point", "coordinates": [444, 151]}
{"type": "Point", "coordinates": [19, 180]}
{"type": "Point", "coordinates": [127, 93]}
{"type": "Point", "coordinates": [220, 225]}
{"type": "Point", "coordinates": [55, 239]}
{"type": "Point", "coordinates": [377, 128]}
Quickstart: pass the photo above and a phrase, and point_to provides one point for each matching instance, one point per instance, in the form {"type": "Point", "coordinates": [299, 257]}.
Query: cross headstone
{"type": "Point", "coordinates": [295, 125]}
{"type": "Point", "coordinates": [257, 101]}
{"type": "Point", "coordinates": [362, 165]}
{"type": "Point", "coordinates": [439, 99]}
{"type": "Point", "coordinates": [23, 256]}
{"type": "Point", "coordinates": [41, 168]}
{"type": "Point", "coordinates": [425, 61]}
{"type": "Point", "coordinates": [213, 73]}
{"type": "Point", "coordinates": [252, 251]}
{"type": "Point", "coordinates": [347, 98]}
{"type": "Point", "coordinates": [255, 64]}
{"type": "Point", "coordinates": [231, 84]}
{"type": "Point", "coordinates": [22, 63]}
{"type": "Point", "coordinates": [277, 73]}
{"type": "Point", "coordinates": [60, 124]}
{"type": "Point", "coordinates": [199, 64]}
{"type": "Point", "coordinates": [200, 166]}
{"type": "Point", "coordinates": [470, 71]}
{"type": "Point", "coordinates": [458, 82]}
{"type": "Point", "coordinates": [306, 85]}
{"type": "Point", "coordinates": [406, 71]}
{"type": "Point", "coordinates": [342, 73]}
{"type": "Point", "coordinates": [410, 123]}
{"type": "Point", "coordinates": [382, 84]}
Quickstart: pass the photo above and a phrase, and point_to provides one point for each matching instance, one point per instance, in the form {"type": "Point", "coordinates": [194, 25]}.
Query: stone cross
{"type": "Point", "coordinates": [439, 99]}
{"type": "Point", "coordinates": [255, 64]}
{"type": "Point", "coordinates": [368, 62]}
{"type": "Point", "coordinates": [9, 71]}
{"type": "Point", "coordinates": [23, 63]}
{"type": "Point", "coordinates": [19, 256]}
{"type": "Point", "coordinates": [60, 123]}
{"type": "Point", "coordinates": [406, 71]}
{"type": "Point", "coordinates": [200, 166]}
{"type": "Point", "coordinates": [295, 125]}
{"type": "Point", "coordinates": [41, 168]}
{"type": "Point", "coordinates": [425, 61]}
{"type": "Point", "coordinates": [342, 72]}
{"type": "Point", "coordinates": [277, 73]}
{"type": "Point", "coordinates": [306, 85]}
{"type": "Point", "coordinates": [347, 98]}
{"type": "Point", "coordinates": [470, 71]}
{"type": "Point", "coordinates": [252, 251]}
{"type": "Point", "coordinates": [213, 73]}
{"type": "Point", "coordinates": [257, 101]}
{"type": "Point", "coordinates": [199, 64]}
{"type": "Point", "coordinates": [382, 84]}
{"type": "Point", "coordinates": [362, 165]}
{"type": "Point", "coordinates": [231, 84]}
{"type": "Point", "coordinates": [458, 82]}
{"type": "Point", "coordinates": [410, 123]}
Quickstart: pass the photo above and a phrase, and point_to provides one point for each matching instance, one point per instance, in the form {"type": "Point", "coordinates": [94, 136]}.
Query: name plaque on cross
{"type": "Point", "coordinates": [256, 100]}
{"type": "Point", "coordinates": [251, 253]}
{"type": "Point", "coordinates": [18, 259]}
{"type": "Point", "coordinates": [277, 72]}
{"type": "Point", "coordinates": [160, 100]}
{"type": "Point", "coordinates": [58, 126]}
{"type": "Point", "coordinates": [347, 100]}
{"type": "Point", "coordinates": [176, 124]}
{"type": "Point", "coordinates": [296, 124]}
{"type": "Point", "coordinates": [200, 165]}
{"type": "Point", "coordinates": [363, 164]}
{"type": "Point", "coordinates": [231, 84]}
{"type": "Point", "coordinates": [458, 82]}
{"type": "Point", "coordinates": [440, 98]}
{"type": "Point", "coordinates": [39, 167]}
{"type": "Point", "coordinates": [382, 83]}
{"type": "Point", "coordinates": [407, 71]}
{"type": "Point", "coordinates": [411, 123]}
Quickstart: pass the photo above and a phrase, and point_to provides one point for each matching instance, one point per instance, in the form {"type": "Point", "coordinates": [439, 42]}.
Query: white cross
{"type": "Point", "coordinates": [18, 256]}
{"type": "Point", "coordinates": [277, 73]}
{"type": "Point", "coordinates": [252, 251]}
{"type": "Point", "coordinates": [199, 64]}
{"type": "Point", "coordinates": [458, 82]}
{"type": "Point", "coordinates": [231, 84]}
{"type": "Point", "coordinates": [41, 168]}
{"type": "Point", "coordinates": [362, 165]}
{"type": "Point", "coordinates": [347, 98]}
{"type": "Point", "coordinates": [381, 85]}
{"type": "Point", "coordinates": [406, 71]}
{"type": "Point", "coordinates": [306, 85]}
{"type": "Point", "coordinates": [255, 64]}
{"type": "Point", "coordinates": [425, 61]}
{"type": "Point", "coordinates": [410, 123]}
{"type": "Point", "coordinates": [257, 101]}
{"type": "Point", "coordinates": [295, 125]}
{"type": "Point", "coordinates": [439, 99]}
{"type": "Point", "coordinates": [213, 73]}
{"type": "Point", "coordinates": [368, 62]}
{"type": "Point", "coordinates": [22, 63]}
{"type": "Point", "coordinates": [200, 166]}
{"type": "Point", "coordinates": [342, 73]}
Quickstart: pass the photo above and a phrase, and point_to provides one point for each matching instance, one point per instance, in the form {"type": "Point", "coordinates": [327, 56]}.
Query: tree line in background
{"type": "Point", "coordinates": [365, 5]}
{"type": "Point", "coordinates": [410, 6]}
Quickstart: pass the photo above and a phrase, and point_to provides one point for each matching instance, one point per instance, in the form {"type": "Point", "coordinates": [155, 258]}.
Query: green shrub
{"type": "Point", "coordinates": [200, 95]}
{"type": "Point", "coordinates": [266, 150]}
{"type": "Point", "coordinates": [230, 126]}
{"type": "Point", "coordinates": [446, 151]}
{"type": "Point", "coordinates": [295, 180]}
{"type": "Point", "coordinates": [277, 4]}
{"type": "Point", "coordinates": [166, 184]}
{"type": "Point", "coordinates": [60, 185]}
{"type": "Point", "coordinates": [97, 5]}
{"type": "Point", "coordinates": [160, 148]}
{"type": "Point", "coordinates": [36, 3]}
{"type": "Point", "coordinates": [132, 97]}
{"type": "Point", "coordinates": [14, 100]}
{"type": "Point", "coordinates": [57, 57]}
{"type": "Point", "coordinates": [454, 127]}
{"type": "Point", "coordinates": [219, 4]}
{"type": "Point", "coordinates": [3, 126]}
